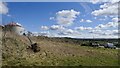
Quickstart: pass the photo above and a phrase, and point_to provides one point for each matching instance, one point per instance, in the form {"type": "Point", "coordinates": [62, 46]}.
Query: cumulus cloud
{"type": "Point", "coordinates": [112, 24]}
{"type": "Point", "coordinates": [100, 26]}
{"type": "Point", "coordinates": [96, 31]}
{"type": "Point", "coordinates": [83, 28]}
{"type": "Point", "coordinates": [108, 25]}
{"type": "Point", "coordinates": [115, 19]}
{"type": "Point", "coordinates": [115, 32]}
{"type": "Point", "coordinates": [82, 20]}
{"type": "Point", "coordinates": [69, 32]}
{"type": "Point", "coordinates": [100, 1]}
{"type": "Point", "coordinates": [62, 33]}
{"type": "Point", "coordinates": [3, 8]}
{"type": "Point", "coordinates": [44, 33]}
{"type": "Point", "coordinates": [66, 32]}
{"type": "Point", "coordinates": [105, 32]}
{"type": "Point", "coordinates": [66, 17]}
{"type": "Point", "coordinates": [44, 27]}
{"type": "Point", "coordinates": [107, 9]}
{"type": "Point", "coordinates": [57, 27]}
{"type": "Point", "coordinates": [96, 1]}
{"type": "Point", "coordinates": [113, 1]}
{"type": "Point", "coordinates": [88, 21]}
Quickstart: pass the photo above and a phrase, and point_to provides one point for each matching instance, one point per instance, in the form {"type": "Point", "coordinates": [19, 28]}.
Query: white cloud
{"type": "Point", "coordinates": [101, 1]}
{"type": "Point", "coordinates": [3, 8]}
{"type": "Point", "coordinates": [115, 32]}
{"type": "Point", "coordinates": [83, 28]}
{"type": "Point", "coordinates": [105, 32]}
{"type": "Point", "coordinates": [101, 32]}
{"type": "Point", "coordinates": [80, 28]}
{"type": "Point", "coordinates": [100, 26]}
{"type": "Point", "coordinates": [57, 27]}
{"type": "Point", "coordinates": [66, 17]}
{"type": "Point", "coordinates": [62, 33]}
{"type": "Point", "coordinates": [107, 26]}
{"type": "Point", "coordinates": [66, 32]}
{"type": "Point", "coordinates": [88, 21]}
{"type": "Point", "coordinates": [44, 33]}
{"type": "Point", "coordinates": [44, 28]}
{"type": "Point", "coordinates": [115, 19]}
{"type": "Point", "coordinates": [52, 18]}
{"type": "Point", "coordinates": [19, 24]}
{"type": "Point", "coordinates": [82, 20]}
{"type": "Point", "coordinates": [96, 1]}
{"type": "Point", "coordinates": [96, 31]}
{"type": "Point", "coordinates": [69, 33]}
{"type": "Point", "coordinates": [107, 9]}
{"type": "Point", "coordinates": [112, 24]}
{"type": "Point", "coordinates": [112, 10]}
{"type": "Point", "coordinates": [113, 1]}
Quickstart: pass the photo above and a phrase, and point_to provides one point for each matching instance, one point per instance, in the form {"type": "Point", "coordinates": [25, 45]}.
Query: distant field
{"type": "Point", "coordinates": [55, 52]}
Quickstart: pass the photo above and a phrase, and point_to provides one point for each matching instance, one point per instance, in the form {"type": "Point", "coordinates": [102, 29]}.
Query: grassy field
{"type": "Point", "coordinates": [54, 52]}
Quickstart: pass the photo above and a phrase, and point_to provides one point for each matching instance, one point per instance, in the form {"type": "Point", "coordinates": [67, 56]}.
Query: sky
{"type": "Point", "coordinates": [64, 19]}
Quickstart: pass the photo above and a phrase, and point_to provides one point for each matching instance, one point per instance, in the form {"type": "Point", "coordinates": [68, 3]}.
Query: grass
{"type": "Point", "coordinates": [54, 53]}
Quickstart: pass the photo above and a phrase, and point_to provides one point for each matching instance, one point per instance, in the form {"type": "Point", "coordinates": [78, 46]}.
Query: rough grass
{"type": "Point", "coordinates": [54, 53]}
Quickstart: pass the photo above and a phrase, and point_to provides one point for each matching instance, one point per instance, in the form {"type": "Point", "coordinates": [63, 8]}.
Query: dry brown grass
{"type": "Point", "coordinates": [52, 52]}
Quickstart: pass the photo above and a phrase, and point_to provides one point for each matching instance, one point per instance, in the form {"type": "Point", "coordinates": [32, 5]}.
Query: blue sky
{"type": "Point", "coordinates": [39, 13]}
{"type": "Point", "coordinates": [71, 19]}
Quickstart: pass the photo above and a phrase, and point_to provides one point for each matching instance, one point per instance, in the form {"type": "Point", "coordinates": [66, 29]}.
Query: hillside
{"type": "Point", "coordinates": [54, 52]}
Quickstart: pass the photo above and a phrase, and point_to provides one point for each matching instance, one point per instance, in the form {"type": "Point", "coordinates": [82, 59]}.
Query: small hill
{"type": "Point", "coordinates": [53, 52]}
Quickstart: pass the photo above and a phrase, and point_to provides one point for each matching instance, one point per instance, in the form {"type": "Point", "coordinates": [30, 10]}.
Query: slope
{"type": "Point", "coordinates": [53, 52]}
